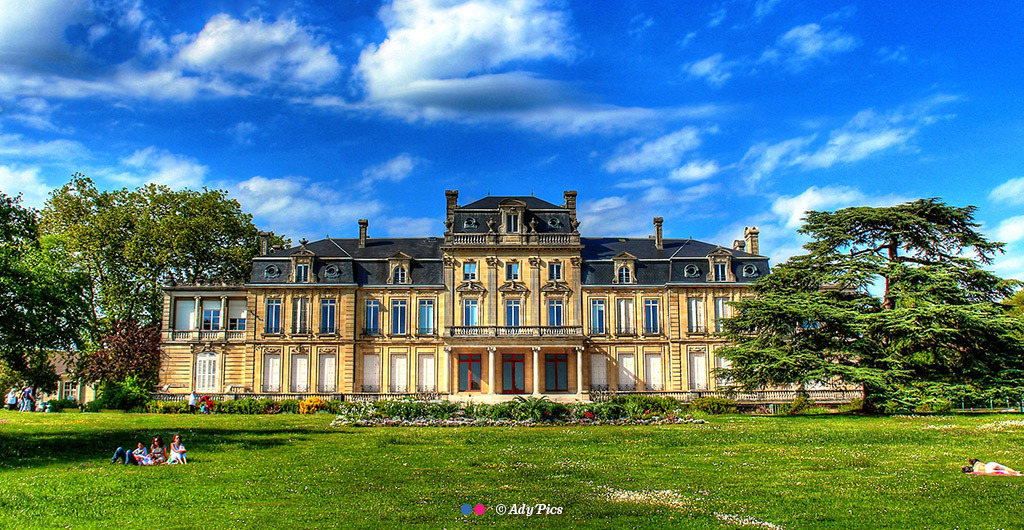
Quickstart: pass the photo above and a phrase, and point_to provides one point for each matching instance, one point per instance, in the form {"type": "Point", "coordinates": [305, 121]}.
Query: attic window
{"type": "Point", "coordinates": [691, 271]}
{"type": "Point", "coordinates": [554, 222]}
{"type": "Point", "coordinates": [398, 276]}
{"type": "Point", "coordinates": [624, 275]}
{"type": "Point", "coordinates": [271, 272]}
{"type": "Point", "coordinates": [470, 222]}
{"type": "Point", "coordinates": [750, 271]}
{"type": "Point", "coordinates": [302, 273]}
{"type": "Point", "coordinates": [332, 271]}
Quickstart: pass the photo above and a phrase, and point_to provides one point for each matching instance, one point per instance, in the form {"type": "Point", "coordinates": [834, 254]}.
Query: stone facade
{"type": "Point", "coordinates": [510, 301]}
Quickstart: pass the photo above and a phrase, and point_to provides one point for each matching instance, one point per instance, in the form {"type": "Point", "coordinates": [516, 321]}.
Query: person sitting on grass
{"type": "Point", "coordinates": [991, 468]}
{"type": "Point", "coordinates": [138, 457]}
{"type": "Point", "coordinates": [157, 451]}
{"type": "Point", "coordinates": [178, 455]}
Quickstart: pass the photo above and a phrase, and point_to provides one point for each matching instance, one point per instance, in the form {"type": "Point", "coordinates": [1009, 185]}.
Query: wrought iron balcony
{"type": "Point", "coordinates": [515, 331]}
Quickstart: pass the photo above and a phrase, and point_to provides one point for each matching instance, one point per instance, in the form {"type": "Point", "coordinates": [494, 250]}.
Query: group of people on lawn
{"type": "Point", "coordinates": [157, 453]}
{"type": "Point", "coordinates": [24, 400]}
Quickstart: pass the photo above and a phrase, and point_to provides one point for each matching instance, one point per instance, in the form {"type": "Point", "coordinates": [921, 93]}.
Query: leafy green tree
{"type": "Point", "coordinates": [43, 307]}
{"type": "Point", "coordinates": [937, 319]}
{"type": "Point", "coordinates": [1015, 304]}
{"type": "Point", "coordinates": [129, 241]}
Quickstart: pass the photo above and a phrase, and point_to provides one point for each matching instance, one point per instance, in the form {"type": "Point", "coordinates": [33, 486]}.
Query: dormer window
{"type": "Point", "coordinates": [511, 223]}
{"type": "Point", "coordinates": [398, 275]}
{"type": "Point", "coordinates": [720, 272]}
{"type": "Point", "coordinates": [399, 264]}
{"type": "Point", "coordinates": [624, 275]}
{"type": "Point", "coordinates": [302, 273]}
{"type": "Point", "coordinates": [470, 222]}
{"type": "Point", "coordinates": [554, 222]}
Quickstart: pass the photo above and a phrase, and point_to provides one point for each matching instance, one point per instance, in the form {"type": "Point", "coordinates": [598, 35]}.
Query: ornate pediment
{"type": "Point", "coordinates": [625, 256]}
{"type": "Point", "coordinates": [556, 287]}
{"type": "Point", "coordinates": [513, 287]}
{"type": "Point", "coordinates": [303, 252]}
{"type": "Point", "coordinates": [471, 287]}
{"type": "Point", "coordinates": [720, 252]}
{"type": "Point", "coordinates": [400, 256]}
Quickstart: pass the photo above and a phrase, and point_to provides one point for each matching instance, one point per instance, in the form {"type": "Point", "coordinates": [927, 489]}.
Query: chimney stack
{"type": "Point", "coordinates": [750, 235]}
{"type": "Point", "coordinates": [570, 202]}
{"type": "Point", "coordinates": [739, 244]}
{"type": "Point", "coordinates": [264, 240]}
{"type": "Point", "coordinates": [363, 223]}
{"type": "Point", "coordinates": [659, 243]}
{"type": "Point", "coordinates": [452, 197]}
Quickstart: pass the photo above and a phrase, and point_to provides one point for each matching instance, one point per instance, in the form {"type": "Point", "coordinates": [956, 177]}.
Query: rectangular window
{"type": "Point", "coordinates": [371, 373]}
{"type": "Point", "coordinates": [624, 316]}
{"type": "Point", "coordinates": [302, 273]}
{"type": "Point", "coordinates": [398, 317]}
{"type": "Point", "coordinates": [721, 313]}
{"type": "Point", "coordinates": [236, 315]}
{"type": "Point", "coordinates": [327, 373]}
{"type": "Point", "coordinates": [274, 315]}
{"type": "Point", "coordinates": [469, 373]}
{"type": "Point", "coordinates": [652, 326]}
{"type": "Point", "coordinates": [372, 318]}
{"type": "Point", "coordinates": [720, 275]}
{"type": "Point", "coordinates": [597, 316]}
{"type": "Point", "coordinates": [300, 373]}
{"type": "Point", "coordinates": [695, 315]}
{"type": "Point", "coordinates": [300, 315]}
{"type": "Point", "coordinates": [512, 312]}
{"type": "Point", "coordinates": [555, 313]}
{"type": "Point", "coordinates": [211, 319]}
{"type": "Point", "coordinates": [512, 272]}
{"type": "Point", "coordinates": [328, 311]}
{"type": "Point", "coordinates": [511, 223]}
{"type": "Point", "coordinates": [426, 317]}
{"type": "Point", "coordinates": [513, 373]}
{"type": "Point", "coordinates": [272, 372]}
{"type": "Point", "coordinates": [469, 272]}
{"type": "Point", "coordinates": [470, 313]}
{"type": "Point", "coordinates": [598, 372]}
{"type": "Point", "coordinates": [70, 391]}
{"type": "Point", "coordinates": [184, 314]}
{"type": "Point", "coordinates": [556, 372]}
{"type": "Point", "coordinates": [554, 272]}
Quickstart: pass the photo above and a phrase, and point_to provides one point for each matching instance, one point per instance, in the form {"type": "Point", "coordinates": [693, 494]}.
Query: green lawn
{"type": "Point", "coordinates": [296, 471]}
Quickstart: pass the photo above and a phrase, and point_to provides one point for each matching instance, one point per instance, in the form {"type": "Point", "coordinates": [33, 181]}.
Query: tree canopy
{"type": "Point", "coordinates": [938, 319]}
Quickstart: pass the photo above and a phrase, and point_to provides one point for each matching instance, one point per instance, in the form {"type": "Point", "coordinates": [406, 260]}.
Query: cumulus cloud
{"type": "Point", "coordinates": [24, 181]}
{"type": "Point", "coordinates": [660, 153]}
{"type": "Point", "coordinates": [695, 170]}
{"type": "Point", "coordinates": [266, 51]}
{"type": "Point", "coordinates": [1010, 230]}
{"type": "Point", "coordinates": [160, 166]}
{"type": "Point", "coordinates": [1009, 192]}
{"type": "Point", "coordinates": [809, 42]}
{"type": "Point", "coordinates": [17, 147]}
{"type": "Point", "coordinates": [394, 170]}
{"type": "Point", "coordinates": [763, 8]}
{"type": "Point", "coordinates": [714, 70]}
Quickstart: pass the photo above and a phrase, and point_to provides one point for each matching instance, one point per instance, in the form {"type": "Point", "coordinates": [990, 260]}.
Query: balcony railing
{"type": "Point", "coordinates": [371, 331]}
{"type": "Point", "coordinates": [426, 331]}
{"type": "Point", "coordinates": [220, 335]}
{"type": "Point", "coordinates": [512, 239]}
{"type": "Point", "coordinates": [515, 331]}
{"type": "Point", "coordinates": [627, 330]}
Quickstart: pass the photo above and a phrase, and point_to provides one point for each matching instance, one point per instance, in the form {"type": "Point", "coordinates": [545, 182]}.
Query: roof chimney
{"type": "Point", "coordinates": [750, 235]}
{"type": "Point", "coordinates": [363, 223]}
{"type": "Point", "coordinates": [739, 244]}
{"type": "Point", "coordinates": [659, 243]}
{"type": "Point", "coordinates": [570, 201]}
{"type": "Point", "coordinates": [452, 197]}
{"type": "Point", "coordinates": [264, 242]}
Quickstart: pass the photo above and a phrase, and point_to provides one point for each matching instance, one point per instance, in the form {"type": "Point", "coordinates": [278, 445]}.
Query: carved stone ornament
{"type": "Point", "coordinates": [271, 350]}
{"type": "Point", "coordinates": [493, 261]}
{"type": "Point", "coordinates": [697, 349]}
{"type": "Point", "coordinates": [514, 287]}
{"type": "Point", "coordinates": [533, 225]}
{"type": "Point", "coordinates": [448, 261]}
{"type": "Point", "coordinates": [554, 222]}
{"type": "Point", "coordinates": [332, 272]}
{"type": "Point", "coordinates": [205, 348]}
{"type": "Point", "coordinates": [535, 262]}
{"type": "Point", "coordinates": [691, 271]}
{"type": "Point", "coordinates": [271, 272]}
{"type": "Point", "coordinates": [300, 350]}
{"type": "Point", "coordinates": [750, 271]}
{"type": "Point", "coordinates": [449, 222]}
{"type": "Point", "coordinates": [556, 287]}
{"type": "Point", "coordinates": [327, 350]}
{"type": "Point", "coordinates": [576, 261]}
{"type": "Point", "coordinates": [491, 226]}
{"type": "Point", "coordinates": [471, 287]}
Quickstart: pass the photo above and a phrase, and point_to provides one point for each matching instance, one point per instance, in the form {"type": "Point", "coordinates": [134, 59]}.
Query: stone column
{"type": "Point", "coordinates": [536, 370]}
{"type": "Point", "coordinates": [535, 273]}
{"type": "Point", "coordinates": [223, 313]}
{"type": "Point", "coordinates": [443, 382]}
{"type": "Point", "coordinates": [199, 314]}
{"type": "Point", "coordinates": [490, 369]}
{"type": "Point", "coordinates": [579, 370]}
{"type": "Point", "coordinates": [492, 290]}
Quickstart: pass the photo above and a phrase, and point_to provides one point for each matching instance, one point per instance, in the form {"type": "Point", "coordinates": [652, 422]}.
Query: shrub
{"type": "Point", "coordinates": [638, 406]}
{"type": "Point", "coordinates": [312, 405]}
{"type": "Point", "coordinates": [59, 405]}
{"type": "Point", "coordinates": [123, 395]}
{"type": "Point", "coordinates": [291, 406]}
{"type": "Point", "coordinates": [166, 407]}
{"type": "Point", "coordinates": [799, 406]}
{"type": "Point", "coordinates": [713, 405]}
{"type": "Point", "coordinates": [855, 405]}
{"type": "Point", "coordinates": [93, 406]}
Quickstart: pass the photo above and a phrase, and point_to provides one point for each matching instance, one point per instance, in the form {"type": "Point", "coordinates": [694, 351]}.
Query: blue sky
{"type": "Point", "coordinates": [715, 115]}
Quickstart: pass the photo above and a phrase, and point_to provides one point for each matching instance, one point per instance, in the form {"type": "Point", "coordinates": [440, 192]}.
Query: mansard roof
{"type": "Point", "coordinates": [414, 247]}
{"type": "Point", "coordinates": [491, 202]}
{"type": "Point", "coordinates": [606, 248]}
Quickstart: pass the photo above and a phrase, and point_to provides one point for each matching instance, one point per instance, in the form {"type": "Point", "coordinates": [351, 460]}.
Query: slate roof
{"type": "Point", "coordinates": [491, 203]}
{"type": "Point", "coordinates": [415, 247]}
{"type": "Point", "coordinates": [600, 248]}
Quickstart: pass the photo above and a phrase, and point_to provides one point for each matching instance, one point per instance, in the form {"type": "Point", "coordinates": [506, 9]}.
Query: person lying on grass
{"type": "Point", "coordinates": [991, 468]}
{"type": "Point", "coordinates": [138, 457]}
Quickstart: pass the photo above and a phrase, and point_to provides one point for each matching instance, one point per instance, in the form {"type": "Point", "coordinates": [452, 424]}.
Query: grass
{"type": "Point", "coordinates": [290, 471]}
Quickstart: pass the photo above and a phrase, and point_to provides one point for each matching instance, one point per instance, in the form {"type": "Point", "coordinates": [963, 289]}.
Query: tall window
{"type": "Point", "coordinates": [302, 273]}
{"type": "Point", "coordinates": [624, 316]}
{"type": "Point", "coordinates": [720, 275]}
{"type": "Point", "coordinates": [597, 317]}
{"type": "Point", "coordinates": [513, 373]}
{"type": "Point", "coordinates": [273, 315]}
{"type": "Point", "coordinates": [236, 315]}
{"type": "Point", "coordinates": [300, 315]}
{"type": "Point", "coordinates": [512, 312]}
{"type": "Point", "coordinates": [398, 317]}
{"type": "Point", "coordinates": [398, 276]}
{"type": "Point", "coordinates": [328, 311]}
{"type": "Point", "coordinates": [206, 372]}
{"type": "Point", "coordinates": [721, 313]}
{"type": "Point", "coordinates": [470, 313]}
{"type": "Point", "coordinates": [211, 319]}
{"type": "Point", "coordinates": [555, 313]}
{"type": "Point", "coordinates": [554, 271]}
{"type": "Point", "coordinates": [469, 272]}
{"type": "Point", "coordinates": [469, 372]}
{"type": "Point", "coordinates": [556, 372]}
{"type": "Point", "coordinates": [426, 314]}
{"type": "Point", "coordinates": [624, 275]}
{"type": "Point", "coordinates": [651, 324]}
{"type": "Point", "coordinates": [695, 315]}
{"type": "Point", "coordinates": [512, 272]}
{"type": "Point", "coordinates": [372, 317]}
{"type": "Point", "coordinates": [511, 223]}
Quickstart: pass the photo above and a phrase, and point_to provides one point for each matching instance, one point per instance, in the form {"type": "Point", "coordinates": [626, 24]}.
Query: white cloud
{"type": "Point", "coordinates": [241, 132]}
{"type": "Point", "coordinates": [897, 55]}
{"type": "Point", "coordinates": [660, 153]}
{"type": "Point", "coordinates": [791, 210]}
{"type": "Point", "coordinates": [717, 17]}
{"type": "Point", "coordinates": [1009, 192]}
{"type": "Point", "coordinates": [16, 146]}
{"type": "Point", "coordinates": [639, 24]}
{"type": "Point", "coordinates": [1011, 230]}
{"type": "Point", "coordinates": [714, 69]}
{"type": "Point", "coordinates": [802, 44]}
{"type": "Point", "coordinates": [159, 166]}
{"type": "Point", "coordinates": [1009, 265]}
{"type": "Point", "coordinates": [412, 226]}
{"type": "Point", "coordinates": [763, 8]}
{"type": "Point", "coordinates": [25, 181]}
{"type": "Point", "coordinates": [763, 159]}
{"type": "Point", "coordinates": [267, 51]}
{"type": "Point", "coordinates": [695, 170]}
{"type": "Point", "coordinates": [394, 170]}
{"type": "Point", "coordinates": [296, 207]}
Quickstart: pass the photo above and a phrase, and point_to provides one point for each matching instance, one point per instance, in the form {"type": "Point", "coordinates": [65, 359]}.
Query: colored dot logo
{"type": "Point", "coordinates": [479, 509]}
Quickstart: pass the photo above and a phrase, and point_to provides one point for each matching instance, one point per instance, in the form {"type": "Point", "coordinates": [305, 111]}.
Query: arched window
{"type": "Point", "coordinates": [624, 275]}
{"type": "Point", "coordinates": [206, 372]}
{"type": "Point", "coordinates": [398, 276]}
